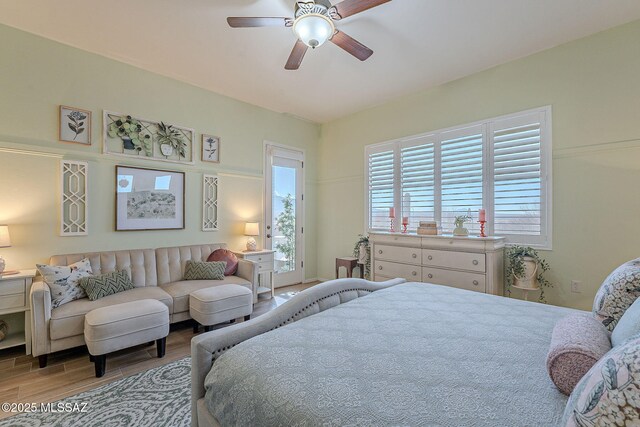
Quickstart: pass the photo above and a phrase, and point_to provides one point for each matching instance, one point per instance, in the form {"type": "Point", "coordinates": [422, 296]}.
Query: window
{"type": "Point", "coordinates": [501, 164]}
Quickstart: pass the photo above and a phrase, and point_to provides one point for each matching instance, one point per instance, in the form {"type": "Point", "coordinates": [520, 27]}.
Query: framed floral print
{"type": "Point", "coordinates": [210, 148]}
{"type": "Point", "coordinates": [75, 125]}
{"type": "Point", "coordinates": [149, 199]}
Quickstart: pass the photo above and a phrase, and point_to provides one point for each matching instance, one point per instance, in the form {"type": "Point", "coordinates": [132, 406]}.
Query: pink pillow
{"type": "Point", "coordinates": [578, 341]}
{"type": "Point", "coordinates": [229, 257]}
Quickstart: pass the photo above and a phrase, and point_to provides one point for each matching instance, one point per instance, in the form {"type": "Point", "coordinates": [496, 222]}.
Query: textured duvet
{"type": "Point", "coordinates": [410, 355]}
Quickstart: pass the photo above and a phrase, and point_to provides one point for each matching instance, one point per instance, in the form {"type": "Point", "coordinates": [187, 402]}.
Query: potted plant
{"type": "Point", "coordinates": [132, 134]}
{"type": "Point", "coordinates": [362, 251]}
{"type": "Point", "coordinates": [525, 270]}
{"type": "Point", "coordinates": [170, 140]}
{"type": "Point", "coordinates": [460, 230]}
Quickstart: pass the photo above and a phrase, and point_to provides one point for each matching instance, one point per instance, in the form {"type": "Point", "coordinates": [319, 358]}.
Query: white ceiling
{"type": "Point", "coordinates": [417, 43]}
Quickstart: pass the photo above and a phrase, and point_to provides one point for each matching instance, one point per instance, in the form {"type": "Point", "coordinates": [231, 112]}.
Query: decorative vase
{"type": "Point", "coordinates": [166, 149]}
{"type": "Point", "coordinates": [460, 231]}
{"type": "Point", "coordinates": [529, 279]}
{"type": "Point", "coordinates": [127, 144]}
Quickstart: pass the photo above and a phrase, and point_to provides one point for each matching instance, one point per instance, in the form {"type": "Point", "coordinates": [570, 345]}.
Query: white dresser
{"type": "Point", "coordinates": [473, 263]}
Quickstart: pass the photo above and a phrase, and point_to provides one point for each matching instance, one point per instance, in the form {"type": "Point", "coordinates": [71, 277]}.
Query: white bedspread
{"type": "Point", "coordinates": [411, 355]}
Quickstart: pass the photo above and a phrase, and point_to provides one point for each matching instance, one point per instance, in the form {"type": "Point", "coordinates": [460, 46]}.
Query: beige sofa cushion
{"type": "Point", "coordinates": [180, 290]}
{"type": "Point", "coordinates": [68, 319]}
{"type": "Point", "coordinates": [139, 263]}
{"type": "Point", "coordinates": [171, 261]}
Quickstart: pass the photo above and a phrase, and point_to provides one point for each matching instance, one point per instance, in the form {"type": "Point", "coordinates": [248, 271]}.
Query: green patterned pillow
{"type": "Point", "coordinates": [106, 284]}
{"type": "Point", "coordinates": [204, 270]}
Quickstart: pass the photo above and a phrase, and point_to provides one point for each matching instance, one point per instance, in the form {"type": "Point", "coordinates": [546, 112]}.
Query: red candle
{"type": "Point", "coordinates": [392, 212]}
{"type": "Point", "coordinates": [405, 220]}
{"type": "Point", "coordinates": [482, 215]}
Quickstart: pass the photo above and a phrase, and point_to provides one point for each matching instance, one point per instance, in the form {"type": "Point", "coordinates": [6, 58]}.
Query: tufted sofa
{"type": "Point", "coordinates": [156, 273]}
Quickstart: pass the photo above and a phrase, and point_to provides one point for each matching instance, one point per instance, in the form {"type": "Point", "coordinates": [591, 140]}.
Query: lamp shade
{"type": "Point", "coordinates": [313, 29]}
{"type": "Point", "coordinates": [251, 229]}
{"type": "Point", "coordinates": [5, 239]}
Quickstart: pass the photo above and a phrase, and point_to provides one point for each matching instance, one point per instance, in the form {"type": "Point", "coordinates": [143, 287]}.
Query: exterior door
{"type": "Point", "coordinates": [284, 230]}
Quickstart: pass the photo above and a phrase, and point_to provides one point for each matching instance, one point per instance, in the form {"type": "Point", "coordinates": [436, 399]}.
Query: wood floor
{"type": "Point", "coordinates": [70, 372]}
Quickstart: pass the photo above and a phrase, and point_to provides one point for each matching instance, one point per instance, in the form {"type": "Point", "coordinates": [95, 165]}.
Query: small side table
{"type": "Point", "coordinates": [349, 263]}
{"type": "Point", "coordinates": [264, 259]}
{"type": "Point", "coordinates": [15, 308]}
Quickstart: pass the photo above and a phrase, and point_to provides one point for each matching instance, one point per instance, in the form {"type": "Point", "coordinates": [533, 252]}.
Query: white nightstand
{"type": "Point", "coordinates": [264, 259]}
{"type": "Point", "coordinates": [15, 308]}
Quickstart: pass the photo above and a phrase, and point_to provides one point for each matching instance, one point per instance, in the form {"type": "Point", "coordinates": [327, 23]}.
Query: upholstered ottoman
{"type": "Point", "coordinates": [119, 326]}
{"type": "Point", "coordinates": [219, 304]}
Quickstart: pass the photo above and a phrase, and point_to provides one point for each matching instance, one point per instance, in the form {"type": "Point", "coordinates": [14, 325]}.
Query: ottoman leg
{"type": "Point", "coordinates": [247, 317]}
{"type": "Point", "coordinates": [101, 364]}
{"type": "Point", "coordinates": [42, 360]}
{"type": "Point", "coordinates": [196, 327]}
{"type": "Point", "coordinates": [161, 344]}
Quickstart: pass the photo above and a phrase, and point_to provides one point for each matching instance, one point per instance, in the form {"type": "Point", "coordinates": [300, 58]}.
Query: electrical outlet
{"type": "Point", "coordinates": [576, 286]}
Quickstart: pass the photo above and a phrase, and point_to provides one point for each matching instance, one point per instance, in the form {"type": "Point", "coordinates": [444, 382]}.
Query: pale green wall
{"type": "Point", "coordinates": [36, 75]}
{"type": "Point", "coordinates": [593, 85]}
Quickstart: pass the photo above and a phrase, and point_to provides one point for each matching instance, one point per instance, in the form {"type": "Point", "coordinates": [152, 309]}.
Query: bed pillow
{"type": "Point", "coordinates": [227, 256]}
{"type": "Point", "coordinates": [609, 394]}
{"type": "Point", "coordinates": [63, 281]}
{"type": "Point", "coordinates": [628, 325]}
{"type": "Point", "coordinates": [617, 293]}
{"type": "Point", "coordinates": [105, 284]}
{"type": "Point", "coordinates": [194, 270]}
{"type": "Point", "coordinates": [578, 341]}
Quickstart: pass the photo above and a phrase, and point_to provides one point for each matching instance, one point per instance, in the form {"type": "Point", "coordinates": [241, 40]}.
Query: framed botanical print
{"type": "Point", "coordinates": [149, 199]}
{"type": "Point", "coordinates": [210, 148]}
{"type": "Point", "coordinates": [75, 125]}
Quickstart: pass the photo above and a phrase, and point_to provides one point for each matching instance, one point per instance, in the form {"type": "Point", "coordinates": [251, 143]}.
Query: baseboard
{"type": "Point", "coordinates": [313, 279]}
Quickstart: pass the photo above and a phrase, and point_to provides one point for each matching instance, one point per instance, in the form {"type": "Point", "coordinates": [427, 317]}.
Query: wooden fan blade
{"type": "Point", "coordinates": [351, 7]}
{"type": "Point", "coordinates": [297, 55]}
{"type": "Point", "coordinates": [351, 45]}
{"type": "Point", "coordinates": [244, 22]}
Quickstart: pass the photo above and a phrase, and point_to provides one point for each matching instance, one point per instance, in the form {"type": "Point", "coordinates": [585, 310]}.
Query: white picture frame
{"type": "Point", "coordinates": [210, 148]}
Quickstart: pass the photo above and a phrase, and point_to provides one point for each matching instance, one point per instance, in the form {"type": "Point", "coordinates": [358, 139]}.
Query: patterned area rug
{"type": "Point", "coordinates": [157, 397]}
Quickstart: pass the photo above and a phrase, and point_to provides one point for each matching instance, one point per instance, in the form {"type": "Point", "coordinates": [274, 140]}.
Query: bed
{"type": "Point", "coordinates": [352, 352]}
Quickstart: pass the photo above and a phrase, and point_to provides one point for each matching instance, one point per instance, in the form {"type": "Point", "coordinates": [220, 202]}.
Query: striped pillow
{"type": "Point", "coordinates": [102, 285]}
{"type": "Point", "coordinates": [194, 270]}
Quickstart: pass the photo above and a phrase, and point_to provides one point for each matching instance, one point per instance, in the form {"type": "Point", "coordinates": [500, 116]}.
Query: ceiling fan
{"type": "Point", "coordinates": [314, 24]}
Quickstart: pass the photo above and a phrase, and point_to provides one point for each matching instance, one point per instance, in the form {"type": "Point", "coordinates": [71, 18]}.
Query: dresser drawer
{"type": "Point", "coordinates": [457, 260]}
{"type": "Point", "coordinates": [11, 301]}
{"type": "Point", "coordinates": [392, 269]}
{"type": "Point", "coordinates": [265, 266]}
{"type": "Point", "coordinates": [397, 254]}
{"type": "Point", "coordinates": [395, 239]}
{"type": "Point", "coordinates": [260, 258]}
{"type": "Point", "coordinates": [457, 279]}
{"type": "Point", "coordinates": [8, 287]}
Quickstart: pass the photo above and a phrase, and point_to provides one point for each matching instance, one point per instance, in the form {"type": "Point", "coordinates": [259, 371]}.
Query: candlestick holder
{"type": "Point", "coordinates": [404, 228]}
{"type": "Point", "coordinates": [482, 223]}
{"type": "Point", "coordinates": [391, 227]}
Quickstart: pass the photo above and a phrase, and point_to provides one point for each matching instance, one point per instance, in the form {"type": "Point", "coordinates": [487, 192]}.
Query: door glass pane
{"type": "Point", "coordinates": [284, 218]}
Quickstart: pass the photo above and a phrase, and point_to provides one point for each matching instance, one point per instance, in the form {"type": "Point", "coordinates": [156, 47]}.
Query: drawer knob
{"type": "Point", "coordinates": [259, 259]}
{"type": "Point", "coordinates": [380, 251]}
{"type": "Point", "coordinates": [430, 276]}
{"type": "Point", "coordinates": [414, 256]}
{"type": "Point", "coordinates": [475, 283]}
{"type": "Point", "coordinates": [429, 257]}
{"type": "Point", "coordinates": [379, 267]}
{"type": "Point", "coordinates": [414, 273]}
{"type": "Point", "coordinates": [475, 262]}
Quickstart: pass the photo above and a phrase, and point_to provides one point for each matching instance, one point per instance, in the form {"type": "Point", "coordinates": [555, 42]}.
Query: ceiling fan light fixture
{"type": "Point", "coordinates": [313, 29]}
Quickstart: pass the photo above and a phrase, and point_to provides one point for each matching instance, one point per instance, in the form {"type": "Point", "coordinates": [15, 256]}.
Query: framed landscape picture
{"type": "Point", "coordinates": [149, 199]}
{"type": "Point", "coordinates": [75, 125]}
{"type": "Point", "coordinates": [210, 148]}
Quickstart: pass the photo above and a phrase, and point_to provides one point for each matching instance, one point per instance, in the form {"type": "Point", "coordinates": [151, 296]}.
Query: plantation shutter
{"type": "Point", "coordinates": [417, 180]}
{"type": "Point", "coordinates": [461, 166]}
{"type": "Point", "coordinates": [380, 175]}
{"type": "Point", "coordinates": [519, 178]}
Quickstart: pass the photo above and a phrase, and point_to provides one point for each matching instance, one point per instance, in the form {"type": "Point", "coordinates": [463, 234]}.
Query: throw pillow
{"type": "Point", "coordinates": [105, 284]}
{"type": "Point", "coordinates": [578, 341]}
{"type": "Point", "coordinates": [609, 394]}
{"type": "Point", "coordinates": [617, 293]}
{"type": "Point", "coordinates": [628, 325]}
{"type": "Point", "coordinates": [227, 256]}
{"type": "Point", "coordinates": [194, 270]}
{"type": "Point", "coordinates": [63, 281]}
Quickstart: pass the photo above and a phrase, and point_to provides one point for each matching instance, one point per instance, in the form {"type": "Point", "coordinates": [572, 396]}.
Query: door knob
{"type": "Point", "coordinates": [268, 236]}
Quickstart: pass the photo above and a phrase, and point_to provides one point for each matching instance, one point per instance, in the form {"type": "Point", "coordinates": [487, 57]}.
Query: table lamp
{"type": "Point", "coordinates": [5, 242]}
{"type": "Point", "coordinates": [251, 229]}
